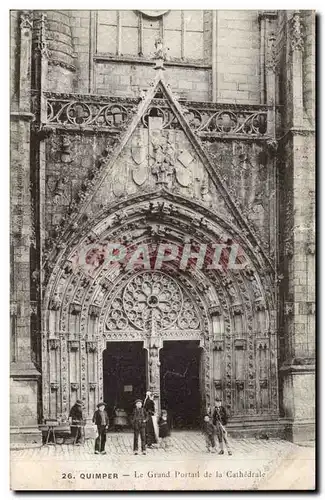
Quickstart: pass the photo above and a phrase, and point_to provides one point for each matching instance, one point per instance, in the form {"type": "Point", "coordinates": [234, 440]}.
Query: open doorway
{"type": "Point", "coordinates": [124, 375]}
{"type": "Point", "coordinates": [179, 381]}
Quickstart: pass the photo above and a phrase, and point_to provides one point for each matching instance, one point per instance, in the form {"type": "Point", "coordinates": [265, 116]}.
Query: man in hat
{"type": "Point", "coordinates": [139, 427]}
{"type": "Point", "coordinates": [100, 419]}
{"type": "Point", "coordinates": [76, 419]}
{"type": "Point", "coordinates": [219, 420]}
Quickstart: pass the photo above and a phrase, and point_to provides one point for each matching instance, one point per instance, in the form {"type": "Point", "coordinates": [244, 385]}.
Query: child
{"type": "Point", "coordinates": [164, 429]}
{"type": "Point", "coordinates": [220, 419]}
{"type": "Point", "coordinates": [139, 427]}
{"type": "Point", "coordinates": [208, 431]}
{"type": "Point", "coordinates": [100, 419]}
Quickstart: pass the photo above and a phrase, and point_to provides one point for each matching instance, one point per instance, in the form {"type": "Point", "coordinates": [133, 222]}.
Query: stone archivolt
{"type": "Point", "coordinates": [114, 293]}
{"type": "Point", "coordinates": [157, 203]}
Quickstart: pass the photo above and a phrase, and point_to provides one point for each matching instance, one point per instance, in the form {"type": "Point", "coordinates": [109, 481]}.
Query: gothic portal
{"type": "Point", "coordinates": [162, 184]}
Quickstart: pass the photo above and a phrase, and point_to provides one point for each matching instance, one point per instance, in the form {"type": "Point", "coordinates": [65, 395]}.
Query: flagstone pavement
{"type": "Point", "coordinates": [272, 456]}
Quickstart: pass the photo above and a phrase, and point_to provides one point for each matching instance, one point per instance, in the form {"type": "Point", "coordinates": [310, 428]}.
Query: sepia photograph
{"type": "Point", "coordinates": [162, 250]}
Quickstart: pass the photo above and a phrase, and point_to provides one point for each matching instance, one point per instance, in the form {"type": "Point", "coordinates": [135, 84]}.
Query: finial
{"type": "Point", "coordinates": [160, 54]}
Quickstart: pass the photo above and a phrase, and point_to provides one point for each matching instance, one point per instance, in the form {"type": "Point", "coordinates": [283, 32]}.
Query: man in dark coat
{"type": "Point", "coordinates": [100, 419]}
{"type": "Point", "coordinates": [139, 427]}
{"type": "Point", "coordinates": [219, 420]}
{"type": "Point", "coordinates": [76, 418]}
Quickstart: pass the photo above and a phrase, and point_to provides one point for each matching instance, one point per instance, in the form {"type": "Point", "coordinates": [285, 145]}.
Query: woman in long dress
{"type": "Point", "coordinates": [151, 426]}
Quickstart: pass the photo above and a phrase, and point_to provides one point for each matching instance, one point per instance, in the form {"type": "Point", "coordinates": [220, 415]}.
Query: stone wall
{"type": "Point", "coordinates": [231, 71]}
{"type": "Point", "coordinates": [238, 64]}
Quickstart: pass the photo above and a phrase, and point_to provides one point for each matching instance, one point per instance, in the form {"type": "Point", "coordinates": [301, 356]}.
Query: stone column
{"type": "Point", "coordinates": [298, 366]}
{"type": "Point", "coordinates": [24, 376]}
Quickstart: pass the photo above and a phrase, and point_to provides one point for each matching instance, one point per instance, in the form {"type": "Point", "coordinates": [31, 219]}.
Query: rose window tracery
{"type": "Point", "coordinates": [152, 299]}
{"type": "Point", "coordinates": [152, 296]}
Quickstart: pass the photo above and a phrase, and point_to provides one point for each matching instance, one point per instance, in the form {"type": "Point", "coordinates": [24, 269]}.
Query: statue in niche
{"type": "Point", "coordinates": [205, 194]}
{"type": "Point", "coordinates": [163, 154]}
{"type": "Point", "coordinates": [154, 366]}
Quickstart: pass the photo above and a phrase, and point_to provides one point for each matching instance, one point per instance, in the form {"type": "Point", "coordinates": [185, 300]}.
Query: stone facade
{"type": "Point", "coordinates": [174, 127]}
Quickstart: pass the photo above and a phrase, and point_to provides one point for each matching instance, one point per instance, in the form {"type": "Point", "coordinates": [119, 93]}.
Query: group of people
{"type": "Point", "coordinates": [146, 426]}
{"type": "Point", "coordinates": [151, 430]}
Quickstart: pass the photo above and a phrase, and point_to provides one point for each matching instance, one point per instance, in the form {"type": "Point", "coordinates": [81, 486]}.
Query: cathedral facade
{"type": "Point", "coordinates": [162, 215]}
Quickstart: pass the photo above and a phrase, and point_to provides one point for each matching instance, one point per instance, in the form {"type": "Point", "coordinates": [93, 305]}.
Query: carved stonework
{"type": "Point", "coordinates": [240, 344]}
{"type": "Point", "coordinates": [92, 386]}
{"type": "Point", "coordinates": [33, 308]}
{"type": "Point", "coordinates": [75, 308]}
{"type": "Point", "coordinates": [53, 344]}
{"type": "Point", "coordinates": [270, 63]}
{"type": "Point", "coordinates": [264, 384]}
{"type": "Point", "coordinates": [237, 310]}
{"type": "Point", "coordinates": [26, 20]}
{"type": "Point", "coordinates": [260, 305]}
{"type": "Point", "coordinates": [288, 308]}
{"type": "Point", "coordinates": [73, 345]}
{"type": "Point", "coordinates": [94, 311]}
{"type": "Point", "coordinates": [296, 32]}
{"type": "Point", "coordinates": [164, 159]}
{"type": "Point", "coordinates": [262, 343]}
{"type": "Point", "coordinates": [311, 248]}
{"type": "Point", "coordinates": [13, 308]}
{"type": "Point", "coordinates": [54, 386]}
{"type": "Point", "coordinates": [311, 307]}
{"type": "Point", "coordinates": [154, 368]}
{"type": "Point", "coordinates": [215, 311]}
{"type": "Point", "coordinates": [218, 345]}
{"type": "Point", "coordinates": [152, 295]}
{"type": "Point", "coordinates": [55, 303]}
{"type": "Point", "coordinates": [66, 149]}
{"type": "Point", "coordinates": [74, 386]}
{"type": "Point", "coordinates": [91, 346]}
{"type": "Point", "coordinates": [289, 248]}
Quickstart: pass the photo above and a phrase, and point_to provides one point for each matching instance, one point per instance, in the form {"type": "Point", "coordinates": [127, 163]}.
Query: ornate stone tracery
{"type": "Point", "coordinates": [100, 304]}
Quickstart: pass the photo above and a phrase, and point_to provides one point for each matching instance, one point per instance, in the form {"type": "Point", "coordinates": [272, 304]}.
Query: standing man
{"type": "Point", "coordinates": [100, 419]}
{"type": "Point", "coordinates": [219, 420]}
{"type": "Point", "coordinates": [76, 421]}
{"type": "Point", "coordinates": [139, 427]}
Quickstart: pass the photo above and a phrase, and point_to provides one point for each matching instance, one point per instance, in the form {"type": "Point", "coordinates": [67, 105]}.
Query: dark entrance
{"type": "Point", "coordinates": [124, 375]}
{"type": "Point", "coordinates": [179, 382]}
